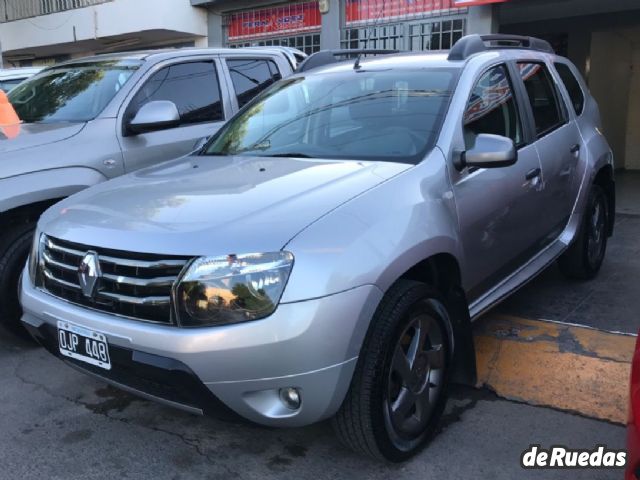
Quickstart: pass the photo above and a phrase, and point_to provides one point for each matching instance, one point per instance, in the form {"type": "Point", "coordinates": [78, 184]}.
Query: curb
{"type": "Point", "coordinates": [567, 367]}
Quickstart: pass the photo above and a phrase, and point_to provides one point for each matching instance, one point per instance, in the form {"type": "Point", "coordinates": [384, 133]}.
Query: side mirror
{"type": "Point", "coordinates": [156, 115]}
{"type": "Point", "coordinates": [490, 151]}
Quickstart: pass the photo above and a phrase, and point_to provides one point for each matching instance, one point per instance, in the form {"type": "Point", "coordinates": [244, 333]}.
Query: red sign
{"type": "Point", "coordinates": [293, 18]}
{"type": "Point", "coordinates": [363, 10]}
{"type": "Point", "coordinates": [471, 3]}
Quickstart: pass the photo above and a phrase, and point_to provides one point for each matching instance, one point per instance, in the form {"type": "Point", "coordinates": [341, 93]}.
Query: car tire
{"type": "Point", "coordinates": [13, 256]}
{"type": "Point", "coordinates": [387, 414]}
{"type": "Point", "coordinates": [583, 259]}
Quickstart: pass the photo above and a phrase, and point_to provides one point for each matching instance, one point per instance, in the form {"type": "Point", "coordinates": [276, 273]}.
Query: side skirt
{"type": "Point", "coordinates": [518, 279]}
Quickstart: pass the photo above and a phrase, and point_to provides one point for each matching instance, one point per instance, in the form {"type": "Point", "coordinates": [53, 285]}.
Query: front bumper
{"type": "Point", "coordinates": [311, 345]}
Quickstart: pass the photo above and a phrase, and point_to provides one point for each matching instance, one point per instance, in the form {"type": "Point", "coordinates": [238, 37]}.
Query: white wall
{"type": "Point", "coordinates": [108, 19]}
{"type": "Point", "coordinates": [609, 82]}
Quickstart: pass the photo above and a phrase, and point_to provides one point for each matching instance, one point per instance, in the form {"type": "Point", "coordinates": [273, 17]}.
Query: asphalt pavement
{"type": "Point", "coordinates": [609, 302]}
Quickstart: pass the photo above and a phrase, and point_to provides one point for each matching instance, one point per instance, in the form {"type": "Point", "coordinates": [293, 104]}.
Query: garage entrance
{"type": "Point", "coordinates": [603, 40]}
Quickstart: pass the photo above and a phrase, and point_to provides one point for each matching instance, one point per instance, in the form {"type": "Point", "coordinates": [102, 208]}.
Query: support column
{"type": "Point", "coordinates": [331, 22]}
{"type": "Point", "coordinates": [215, 30]}
{"type": "Point", "coordinates": [482, 20]}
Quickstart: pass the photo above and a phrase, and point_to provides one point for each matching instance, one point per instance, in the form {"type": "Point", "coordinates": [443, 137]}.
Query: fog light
{"type": "Point", "coordinates": [291, 398]}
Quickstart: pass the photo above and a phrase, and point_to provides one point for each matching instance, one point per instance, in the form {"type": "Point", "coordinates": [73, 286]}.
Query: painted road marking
{"type": "Point", "coordinates": [557, 365]}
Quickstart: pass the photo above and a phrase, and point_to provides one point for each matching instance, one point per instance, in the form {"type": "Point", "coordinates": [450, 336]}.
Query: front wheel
{"type": "Point", "coordinates": [399, 388]}
{"type": "Point", "coordinates": [13, 257]}
{"type": "Point", "coordinates": [585, 256]}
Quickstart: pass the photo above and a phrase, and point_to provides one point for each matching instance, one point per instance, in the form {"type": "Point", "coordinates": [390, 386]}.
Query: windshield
{"type": "Point", "coordinates": [362, 115]}
{"type": "Point", "coordinates": [70, 93]}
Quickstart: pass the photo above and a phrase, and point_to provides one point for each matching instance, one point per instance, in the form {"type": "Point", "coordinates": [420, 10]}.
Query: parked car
{"type": "Point", "coordinates": [11, 77]}
{"type": "Point", "coordinates": [633, 436]}
{"type": "Point", "coordinates": [323, 255]}
{"type": "Point", "coordinates": [93, 119]}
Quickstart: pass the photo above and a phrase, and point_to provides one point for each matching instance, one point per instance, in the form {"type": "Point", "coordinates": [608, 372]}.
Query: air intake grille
{"type": "Point", "coordinates": [133, 285]}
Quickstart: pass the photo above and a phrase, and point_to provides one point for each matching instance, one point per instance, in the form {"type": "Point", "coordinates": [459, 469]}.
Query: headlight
{"type": "Point", "coordinates": [34, 259]}
{"type": "Point", "coordinates": [232, 289]}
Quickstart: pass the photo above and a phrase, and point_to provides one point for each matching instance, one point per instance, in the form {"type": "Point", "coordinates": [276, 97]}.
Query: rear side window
{"type": "Point", "coordinates": [543, 96]}
{"type": "Point", "coordinates": [573, 87]}
{"type": "Point", "coordinates": [251, 76]}
{"type": "Point", "coordinates": [193, 87]}
{"type": "Point", "coordinates": [492, 108]}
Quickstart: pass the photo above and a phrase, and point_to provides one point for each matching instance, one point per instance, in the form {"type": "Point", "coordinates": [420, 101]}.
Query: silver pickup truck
{"type": "Point", "coordinates": [93, 119]}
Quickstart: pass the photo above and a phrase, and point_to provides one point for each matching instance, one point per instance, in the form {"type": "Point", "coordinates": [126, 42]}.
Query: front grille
{"type": "Point", "coordinates": [134, 285]}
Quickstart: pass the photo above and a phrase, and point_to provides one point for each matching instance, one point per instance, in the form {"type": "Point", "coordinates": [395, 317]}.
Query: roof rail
{"type": "Point", "coordinates": [472, 44]}
{"type": "Point", "coordinates": [327, 57]}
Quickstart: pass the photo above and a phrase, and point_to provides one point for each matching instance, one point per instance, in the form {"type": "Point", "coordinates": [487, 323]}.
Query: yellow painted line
{"type": "Point", "coordinates": [556, 365]}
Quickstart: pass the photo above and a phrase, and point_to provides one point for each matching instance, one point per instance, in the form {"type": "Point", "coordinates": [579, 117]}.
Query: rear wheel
{"type": "Point", "coordinates": [13, 255]}
{"type": "Point", "coordinates": [399, 388]}
{"type": "Point", "coordinates": [585, 256]}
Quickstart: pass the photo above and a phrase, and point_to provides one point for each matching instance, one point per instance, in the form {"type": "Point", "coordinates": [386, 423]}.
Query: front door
{"type": "Point", "coordinates": [497, 207]}
{"type": "Point", "coordinates": [194, 87]}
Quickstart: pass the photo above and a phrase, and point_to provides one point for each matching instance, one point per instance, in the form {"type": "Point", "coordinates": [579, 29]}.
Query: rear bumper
{"type": "Point", "coordinates": [312, 346]}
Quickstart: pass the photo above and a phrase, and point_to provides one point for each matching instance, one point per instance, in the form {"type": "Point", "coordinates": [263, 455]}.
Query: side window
{"type": "Point", "coordinates": [251, 76]}
{"type": "Point", "coordinates": [573, 87]}
{"type": "Point", "coordinates": [492, 108]}
{"type": "Point", "coordinates": [543, 96]}
{"type": "Point", "coordinates": [193, 87]}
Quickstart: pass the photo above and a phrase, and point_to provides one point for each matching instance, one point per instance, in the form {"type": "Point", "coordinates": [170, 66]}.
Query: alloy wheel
{"type": "Point", "coordinates": [415, 381]}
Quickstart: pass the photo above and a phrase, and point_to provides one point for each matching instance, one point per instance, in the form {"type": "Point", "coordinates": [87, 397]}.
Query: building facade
{"type": "Point", "coordinates": [43, 32]}
{"type": "Point", "coordinates": [334, 24]}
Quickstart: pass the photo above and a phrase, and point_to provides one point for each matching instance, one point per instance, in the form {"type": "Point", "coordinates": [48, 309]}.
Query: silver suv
{"type": "Point", "coordinates": [323, 255]}
{"type": "Point", "coordinates": [88, 120]}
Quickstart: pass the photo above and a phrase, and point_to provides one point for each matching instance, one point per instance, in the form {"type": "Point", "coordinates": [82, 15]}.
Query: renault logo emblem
{"type": "Point", "coordinates": [89, 274]}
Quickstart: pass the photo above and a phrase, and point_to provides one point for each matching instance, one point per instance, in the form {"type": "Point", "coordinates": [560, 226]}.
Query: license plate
{"type": "Point", "coordinates": [83, 344]}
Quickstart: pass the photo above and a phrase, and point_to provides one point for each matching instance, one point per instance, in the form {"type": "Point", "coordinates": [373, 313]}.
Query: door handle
{"type": "Point", "coordinates": [533, 173]}
{"type": "Point", "coordinates": [575, 148]}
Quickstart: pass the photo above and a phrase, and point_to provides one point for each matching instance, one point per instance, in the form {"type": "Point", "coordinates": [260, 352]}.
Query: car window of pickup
{"type": "Point", "coordinates": [250, 76]}
{"type": "Point", "coordinates": [193, 87]}
{"type": "Point", "coordinates": [492, 108]}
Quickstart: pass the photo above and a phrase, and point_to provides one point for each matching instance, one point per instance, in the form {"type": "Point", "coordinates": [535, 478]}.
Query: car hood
{"type": "Point", "coordinates": [203, 205]}
{"type": "Point", "coordinates": [29, 135]}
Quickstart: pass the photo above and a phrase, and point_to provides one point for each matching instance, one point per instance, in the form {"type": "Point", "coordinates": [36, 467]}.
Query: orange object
{"type": "Point", "coordinates": [9, 120]}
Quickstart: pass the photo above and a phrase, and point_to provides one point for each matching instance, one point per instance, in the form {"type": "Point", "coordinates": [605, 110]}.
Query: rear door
{"type": "Point", "coordinates": [194, 85]}
{"type": "Point", "coordinates": [558, 142]}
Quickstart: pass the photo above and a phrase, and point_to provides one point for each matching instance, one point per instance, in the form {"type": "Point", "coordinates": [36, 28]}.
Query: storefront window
{"type": "Point", "coordinates": [420, 35]}
{"type": "Point", "coordinates": [296, 24]}
{"type": "Point", "coordinates": [307, 43]}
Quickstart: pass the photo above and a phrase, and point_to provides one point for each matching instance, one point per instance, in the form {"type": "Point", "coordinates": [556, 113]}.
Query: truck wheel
{"type": "Point", "coordinates": [399, 389]}
{"type": "Point", "coordinates": [584, 257]}
{"type": "Point", "coordinates": [13, 256]}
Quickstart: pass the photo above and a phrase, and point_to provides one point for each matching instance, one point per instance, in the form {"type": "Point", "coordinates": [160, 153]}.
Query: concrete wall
{"type": "Point", "coordinates": [109, 19]}
{"type": "Point", "coordinates": [632, 159]}
{"type": "Point", "coordinates": [609, 82]}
